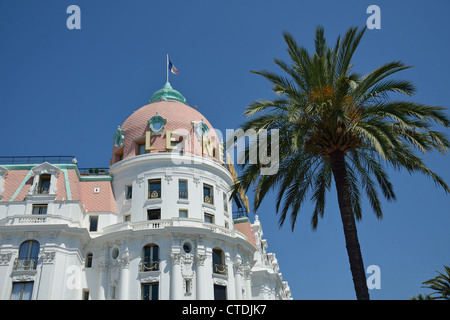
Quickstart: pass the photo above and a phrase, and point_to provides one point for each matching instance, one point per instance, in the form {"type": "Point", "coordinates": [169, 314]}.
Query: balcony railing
{"type": "Point", "coordinates": [42, 190]}
{"type": "Point", "coordinates": [219, 268]}
{"type": "Point", "coordinates": [25, 263]}
{"type": "Point", "coordinates": [182, 194]}
{"type": "Point", "coordinates": [150, 265]}
{"type": "Point", "coordinates": [36, 159]}
{"type": "Point", "coordinates": [208, 199]}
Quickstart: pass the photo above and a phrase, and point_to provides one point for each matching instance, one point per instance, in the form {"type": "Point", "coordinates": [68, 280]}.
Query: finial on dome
{"type": "Point", "coordinates": [167, 93]}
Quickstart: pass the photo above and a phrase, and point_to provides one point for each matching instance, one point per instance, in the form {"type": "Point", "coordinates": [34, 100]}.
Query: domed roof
{"type": "Point", "coordinates": [167, 93]}
{"type": "Point", "coordinates": [170, 122]}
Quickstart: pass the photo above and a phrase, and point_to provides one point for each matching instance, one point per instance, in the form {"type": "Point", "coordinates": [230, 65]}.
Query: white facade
{"type": "Point", "coordinates": [171, 243]}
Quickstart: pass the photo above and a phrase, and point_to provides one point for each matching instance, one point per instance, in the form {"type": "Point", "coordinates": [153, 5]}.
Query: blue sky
{"type": "Point", "coordinates": [64, 92]}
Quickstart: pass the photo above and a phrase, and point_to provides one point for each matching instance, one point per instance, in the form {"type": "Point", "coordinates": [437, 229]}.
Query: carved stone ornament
{"type": "Point", "coordinates": [200, 129]}
{"type": "Point", "coordinates": [156, 124]}
{"type": "Point", "coordinates": [48, 257]}
{"type": "Point", "coordinates": [5, 258]}
{"type": "Point", "coordinates": [118, 137]}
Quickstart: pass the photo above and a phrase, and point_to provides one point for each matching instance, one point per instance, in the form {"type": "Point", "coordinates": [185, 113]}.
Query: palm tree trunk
{"type": "Point", "coordinates": [348, 221]}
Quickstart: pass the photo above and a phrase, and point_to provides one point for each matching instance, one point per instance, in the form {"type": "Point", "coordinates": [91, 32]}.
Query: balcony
{"type": "Point", "coordinates": [150, 265]}
{"type": "Point", "coordinates": [219, 268]}
{"type": "Point", "coordinates": [34, 219]}
{"type": "Point", "coordinates": [174, 222]}
{"type": "Point", "coordinates": [21, 264]}
{"type": "Point", "coordinates": [208, 199]}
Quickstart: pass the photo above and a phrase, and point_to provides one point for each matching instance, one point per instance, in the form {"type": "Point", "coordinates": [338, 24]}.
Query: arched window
{"type": "Point", "coordinates": [150, 261]}
{"type": "Point", "coordinates": [219, 266]}
{"type": "Point", "coordinates": [89, 258]}
{"type": "Point", "coordinates": [28, 255]}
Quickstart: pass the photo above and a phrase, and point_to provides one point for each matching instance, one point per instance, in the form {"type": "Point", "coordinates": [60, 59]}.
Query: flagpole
{"type": "Point", "coordinates": [167, 68]}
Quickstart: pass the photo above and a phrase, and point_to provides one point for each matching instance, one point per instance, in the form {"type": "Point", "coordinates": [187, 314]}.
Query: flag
{"type": "Point", "coordinates": [172, 68]}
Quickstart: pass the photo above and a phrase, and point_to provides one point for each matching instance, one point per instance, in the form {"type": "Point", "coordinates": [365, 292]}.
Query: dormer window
{"type": "Point", "coordinates": [45, 176]}
{"type": "Point", "coordinates": [44, 184]}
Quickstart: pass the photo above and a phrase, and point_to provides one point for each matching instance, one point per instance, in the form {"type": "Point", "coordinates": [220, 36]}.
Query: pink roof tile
{"type": "Point", "coordinates": [103, 201]}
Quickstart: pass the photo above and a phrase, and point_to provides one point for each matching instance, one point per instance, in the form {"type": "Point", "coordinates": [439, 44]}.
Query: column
{"type": "Point", "coordinates": [238, 272]}
{"type": "Point", "coordinates": [103, 279]}
{"type": "Point", "coordinates": [124, 276]}
{"type": "Point", "coordinates": [200, 275]}
{"type": "Point", "coordinates": [176, 280]}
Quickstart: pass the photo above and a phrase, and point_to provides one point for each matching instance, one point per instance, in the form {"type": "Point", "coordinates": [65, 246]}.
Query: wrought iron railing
{"type": "Point", "coordinates": [219, 268]}
{"type": "Point", "coordinates": [208, 199]}
{"type": "Point", "coordinates": [150, 265]}
{"type": "Point", "coordinates": [25, 263]}
{"type": "Point", "coordinates": [154, 194]}
{"type": "Point", "coordinates": [42, 190]}
{"type": "Point", "coordinates": [93, 171]}
{"type": "Point", "coordinates": [182, 194]}
{"type": "Point", "coordinates": [36, 159]}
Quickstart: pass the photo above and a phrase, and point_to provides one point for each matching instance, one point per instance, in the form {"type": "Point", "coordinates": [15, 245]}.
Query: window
{"type": "Point", "coordinates": [220, 292]}
{"type": "Point", "coordinates": [127, 217]}
{"type": "Point", "coordinates": [182, 213]}
{"type": "Point", "coordinates": [141, 149]}
{"type": "Point", "coordinates": [209, 218]}
{"type": "Point", "coordinates": [150, 291]}
{"type": "Point", "coordinates": [44, 184]}
{"type": "Point", "coordinates": [187, 283]}
{"type": "Point", "coordinates": [28, 255]}
{"type": "Point", "coordinates": [208, 194]}
{"type": "Point", "coordinates": [182, 189]}
{"type": "Point", "coordinates": [154, 189]}
{"type": "Point", "coordinates": [151, 258]}
{"type": "Point", "coordinates": [89, 258]}
{"type": "Point", "coordinates": [85, 294]}
{"type": "Point", "coordinates": [22, 290]}
{"type": "Point", "coordinates": [225, 202]}
{"type": "Point", "coordinates": [219, 266]}
{"type": "Point", "coordinates": [40, 208]}
{"type": "Point", "coordinates": [128, 192]}
{"type": "Point", "coordinates": [93, 222]}
{"type": "Point", "coordinates": [154, 214]}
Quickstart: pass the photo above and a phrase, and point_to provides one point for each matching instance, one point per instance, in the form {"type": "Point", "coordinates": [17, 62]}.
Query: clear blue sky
{"type": "Point", "coordinates": [64, 92]}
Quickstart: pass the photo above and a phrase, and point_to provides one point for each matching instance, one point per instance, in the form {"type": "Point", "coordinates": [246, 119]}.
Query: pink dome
{"type": "Point", "coordinates": [180, 118]}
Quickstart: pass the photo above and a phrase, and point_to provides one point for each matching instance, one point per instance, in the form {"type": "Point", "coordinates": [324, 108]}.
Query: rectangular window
{"type": "Point", "coordinates": [141, 149]}
{"type": "Point", "coordinates": [154, 214]}
{"type": "Point", "coordinates": [182, 189]}
{"type": "Point", "coordinates": [208, 194]}
{"type": "Point", "coordinates": [154, 189]}
{"type": "Point", "coordinates": [220, 292]}
{"type": "Point", "coordinates": [150, 291]}
{"type": "Point", "coordinates": [40, 208]}
{"type": "Point", "coordinates": [225, 202]}
{"type": "Point", "coordinates": [182, 213]}
{"type": "Point", "coordinates": [127, 217]}
{"type": "Point", "coordinates": [85, 294]}
{"type": "Point", "coordinates": [128, 192]}
{"type": "Point", "coordinates": [209, 218]}
{"type": "Point", "coordinates": [22, 290]}
{"type": "Point", "coordinates": [44, 184]}
{"type": "Point", "coordinates": [93, 222]}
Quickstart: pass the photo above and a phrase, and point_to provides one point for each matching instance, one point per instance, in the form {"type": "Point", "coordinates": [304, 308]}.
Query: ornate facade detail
{"type": "Point", "coordinates": [200, 259]}
{"type": "Point", "coordinates": [175, 258]}
{"type": "Point", "coordinates": [5, 258]}
{"type": "Point", "coordinates": [48, 256]}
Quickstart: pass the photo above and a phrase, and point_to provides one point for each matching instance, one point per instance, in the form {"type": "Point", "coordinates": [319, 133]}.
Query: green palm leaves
{"type": "Point", "coordinates": [335, 124]}
{"type": "Point", "coordinates": [322, 107]}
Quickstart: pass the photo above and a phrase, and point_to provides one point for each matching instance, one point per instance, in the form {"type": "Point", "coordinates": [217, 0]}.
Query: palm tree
{"type": "Point", "coordinates": [440, 284]}
{"type": "Point", "coordinates": [336, 123]}
{"type": "Point", "coordinates": [421, 297]}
